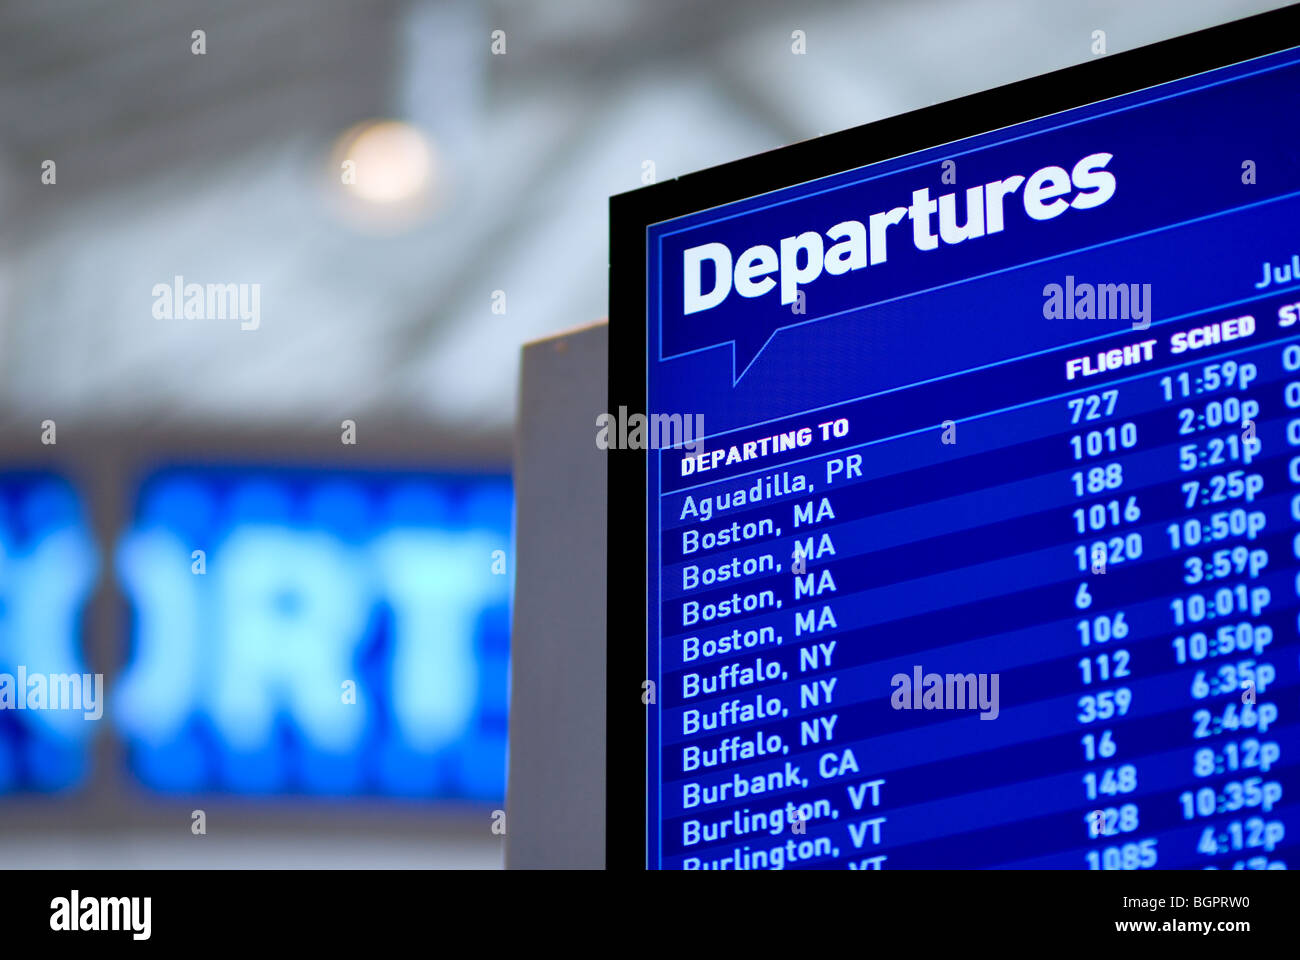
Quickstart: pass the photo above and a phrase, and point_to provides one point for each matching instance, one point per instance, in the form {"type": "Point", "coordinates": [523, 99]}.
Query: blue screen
{"type": "Point", "coordinates": [317, 632]}
{"type": "Point", "coordinates": [988, 556]}
{"type": "Point", "coordinates": [50, 705]}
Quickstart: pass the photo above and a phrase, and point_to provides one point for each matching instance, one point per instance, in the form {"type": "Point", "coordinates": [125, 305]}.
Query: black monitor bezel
{"type": "Point", "coordinates": [630, 214]}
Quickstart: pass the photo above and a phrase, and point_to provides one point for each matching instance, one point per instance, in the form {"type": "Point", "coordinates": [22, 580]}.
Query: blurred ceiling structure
{"type": "Point", "coordinates": [223, 168]}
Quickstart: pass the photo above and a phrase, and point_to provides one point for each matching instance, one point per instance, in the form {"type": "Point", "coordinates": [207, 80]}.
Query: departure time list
{"type": "Point", "coordinates": [1120, 555]}
{"type": "Point", "coordinates": [981, 572]}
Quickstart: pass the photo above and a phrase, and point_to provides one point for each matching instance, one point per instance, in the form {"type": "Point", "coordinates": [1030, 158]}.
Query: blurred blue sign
{"type": "Point", "coordinates": [50, 705]}
{"type": "Point", "coordinates": [309, 632]}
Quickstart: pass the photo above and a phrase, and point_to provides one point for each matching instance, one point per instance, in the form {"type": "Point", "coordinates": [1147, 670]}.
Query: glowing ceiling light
{"type": "Point", "coordinates": [386, 163]}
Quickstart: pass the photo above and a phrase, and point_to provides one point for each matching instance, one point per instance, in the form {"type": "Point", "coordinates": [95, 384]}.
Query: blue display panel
{"type": "Point", "coordinates": [316, 632]}
{"type": "Point", "coordinates": [50, 703]}
{"type": "Point", "coordinates": [989, 559]}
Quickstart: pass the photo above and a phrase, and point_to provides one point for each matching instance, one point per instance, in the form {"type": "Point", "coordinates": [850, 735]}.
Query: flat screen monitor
{"type": "Point", "coordinates": [50, 699]}
{"type": "Point", "coordinates": [955, 483]}
{"type": "Point", "coordinates": [316, 632]}
{"type": "Point", "coordinates": [286, 632]}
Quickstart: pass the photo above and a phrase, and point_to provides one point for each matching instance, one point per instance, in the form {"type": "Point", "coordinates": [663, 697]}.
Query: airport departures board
{"type": "Point", "coordinates": [972, 514]}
